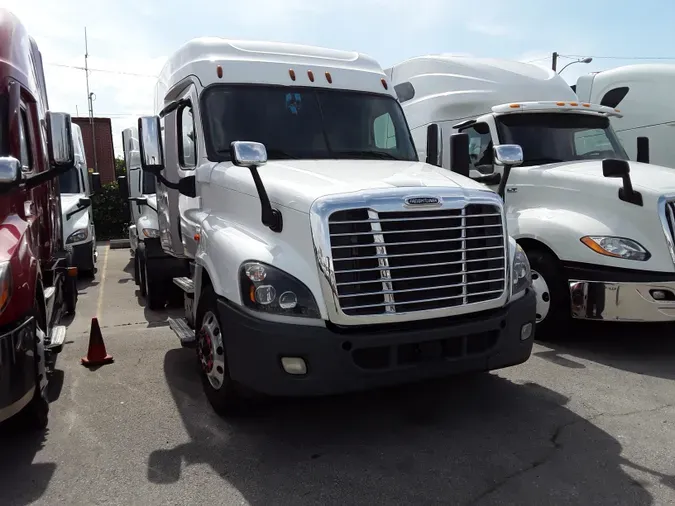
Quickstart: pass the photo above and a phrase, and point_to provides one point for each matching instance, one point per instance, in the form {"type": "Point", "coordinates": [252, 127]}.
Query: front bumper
{"type": "Point", "coordinates": [82, 256]}
{"type": "Point", "coordinates": [621, 295]}
{"type": "Point", "coordinates": [339, 360]}
{"type": "Point", "coordinates": [17, 368]}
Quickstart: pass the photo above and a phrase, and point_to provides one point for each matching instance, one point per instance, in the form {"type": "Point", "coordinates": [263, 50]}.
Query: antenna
{"type": "Point", "coordinates": [90, 99]}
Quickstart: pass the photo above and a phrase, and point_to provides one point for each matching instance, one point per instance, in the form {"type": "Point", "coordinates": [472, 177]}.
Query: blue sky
{"type": "Point", "coordinates": [136, 36]}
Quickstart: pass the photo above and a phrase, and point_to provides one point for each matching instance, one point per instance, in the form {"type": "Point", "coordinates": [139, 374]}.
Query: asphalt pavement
{"type": "Point", "coordinates": [590, 421]}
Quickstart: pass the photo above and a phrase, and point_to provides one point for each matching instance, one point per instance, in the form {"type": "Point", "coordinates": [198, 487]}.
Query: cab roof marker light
{"type": "Point", "coordinates": [219, 71]}
{"type": "Point", "coordinates": [329, 78]}
{"type": "Point", "coordinates": [310, 74]}
{"type": "Point", "coordinates": [514, 106]}
{"type": "Point", "coordinates": [384, 83]}
{"type": "Point", "coordinates": [291, 73]}
{"type": "Point", "coordinates": [586, 105]}
{"type": "Point", "coordinates": [574, 104]}
{"type": "Point", "coordinates": [560, 103]}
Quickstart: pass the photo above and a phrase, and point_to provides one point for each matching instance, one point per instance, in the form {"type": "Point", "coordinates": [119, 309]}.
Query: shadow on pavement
{"type": "Point", "coordinates": [644, 348]}
{"type": "Point", "coordinates": [461, 441]}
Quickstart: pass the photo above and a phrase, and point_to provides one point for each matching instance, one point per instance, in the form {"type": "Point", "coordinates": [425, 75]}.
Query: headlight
{"type": "Point", "coordinates": [5, 285]}
{"type": "Point", "coordinates": [617, 247]}
{"type": "Point", "coordinates": [77, 236]}
{"type": "Point", "coordinates": [267, 289]}
{"type": "Point", "coordinates": [521, 276]}
{"type": "Point", "coordinates": [151, 233]}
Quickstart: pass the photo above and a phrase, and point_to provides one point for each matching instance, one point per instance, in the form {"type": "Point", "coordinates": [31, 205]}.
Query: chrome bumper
{"type": "Point", "coordinates": [627, 302]}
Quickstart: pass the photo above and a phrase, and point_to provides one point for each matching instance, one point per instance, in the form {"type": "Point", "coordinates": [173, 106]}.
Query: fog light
{"type": "Point", "coordinates": [659, 294]}
{"type": "Point", "coordinates": [525, 331]}
{"type": "Point", "coordinates": [294, 365]}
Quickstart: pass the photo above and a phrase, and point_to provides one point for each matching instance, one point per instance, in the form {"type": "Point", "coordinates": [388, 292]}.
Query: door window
{"type": "Point", "coordinates": [480, 148]}
{"type": "Point", "coordinates": [187, 153]}
{"type": "Point", "coordinates": [24, 143]}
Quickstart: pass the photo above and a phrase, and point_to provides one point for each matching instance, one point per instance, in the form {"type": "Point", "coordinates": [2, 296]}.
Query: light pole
{"type": "Point", "coordinates": [581, 60]}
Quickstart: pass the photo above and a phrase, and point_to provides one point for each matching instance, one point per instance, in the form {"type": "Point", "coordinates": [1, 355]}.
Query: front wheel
{"type": "Point", "coordinates": [219, 388]}
{"type": "Point", "coordinates": [155, 295]}
{"type": "Point", "coordinates": [36, 413]}
{"type": "Point", "coordinates": [553, 297]}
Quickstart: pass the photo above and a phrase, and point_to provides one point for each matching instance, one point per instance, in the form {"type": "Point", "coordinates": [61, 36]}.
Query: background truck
{"type": "Point", "coordinates": [138, 188]}
{"type": "Point", "coordinates": [37, 279]}
{"type": "Point", "coordinates": [643, 95]}
{"type": "Point", "coordinates": [327, 257]}
{"type": "Point", "coordinates": [598, 230]}
{"type": "Point", "coordinates": [77, 186]}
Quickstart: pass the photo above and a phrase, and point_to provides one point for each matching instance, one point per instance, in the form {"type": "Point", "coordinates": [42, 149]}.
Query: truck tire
{"type": "Point", "coordinates": [553, 296]}
{"type": "Point", "coordinates": [36, 414]}
{"type": "Point", "coordinates": [89, 271]}
{"type": "Point", "coordinates": [221, 392]}
{"type": "Point", "coordinates": [137, 270]}
{"type": "Point", "coordinates": [155, 292]}
{"type": "Point", "coordinates": [140, 255]}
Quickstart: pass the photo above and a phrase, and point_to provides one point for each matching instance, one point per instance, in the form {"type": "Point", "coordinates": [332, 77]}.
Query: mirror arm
{"type": "Point", "coordinates": [40, 178]}
{"type": "Point", "coordinates": [270, 217]}
{"type": "Point", "coordinates": [74, 211]}
{"type": "Point", "coordinates": [502, 184]}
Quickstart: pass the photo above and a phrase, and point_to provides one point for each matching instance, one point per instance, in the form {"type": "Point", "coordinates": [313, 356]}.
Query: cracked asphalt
{"type": "Point", "coordinates": [587, 421]}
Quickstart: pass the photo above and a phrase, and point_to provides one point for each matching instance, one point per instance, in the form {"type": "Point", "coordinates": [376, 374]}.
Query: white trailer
{"type": "Point", "coordinates": [643, 93]}
{"type": "Point", "coordinates": [598, 230]}
{"type": "Point", "coordinates": [76, 187]}
{"type": "Point", "coordinates": [325, 256]}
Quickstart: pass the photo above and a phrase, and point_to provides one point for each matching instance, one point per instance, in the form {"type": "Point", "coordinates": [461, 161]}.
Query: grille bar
{"type": "Point", "coordinates": [387, 262]}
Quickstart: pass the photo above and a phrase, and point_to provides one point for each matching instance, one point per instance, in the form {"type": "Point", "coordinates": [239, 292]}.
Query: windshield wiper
{"type": "Point", "coordinates": [538, 161]}
{"type": "Point", "coordinates": [279, 154]}
{"type": "Point", "coordinates": [374, 155]}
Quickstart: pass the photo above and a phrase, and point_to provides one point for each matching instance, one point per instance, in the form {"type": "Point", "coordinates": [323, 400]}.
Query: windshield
{"type": "Point", "coordinates": [307, 123]}
{"type": "Point", "coordinates": [69, 182]}
{"type": "Point", "coordinates": [560, 137]}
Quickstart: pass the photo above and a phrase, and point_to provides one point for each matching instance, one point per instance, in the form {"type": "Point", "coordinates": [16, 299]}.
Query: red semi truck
{"type": "Point", "coordinates": [37, 280]}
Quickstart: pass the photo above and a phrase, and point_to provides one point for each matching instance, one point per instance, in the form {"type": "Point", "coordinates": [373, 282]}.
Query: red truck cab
{"type": "Point", "coordinates": [37, 282]}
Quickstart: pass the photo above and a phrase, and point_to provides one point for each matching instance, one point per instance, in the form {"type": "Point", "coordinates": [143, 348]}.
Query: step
{"type": "Point", "coordinates": [56, 339]}
{"type": "Point", "coordinates": [185, 284]}
{"type": "Point", "coordinates": [185, 334]}
{"type": "Point", "coordinates": [50, 291]}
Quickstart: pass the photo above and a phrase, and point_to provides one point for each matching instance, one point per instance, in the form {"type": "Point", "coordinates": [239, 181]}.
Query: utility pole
{"type": "Point", "coordinates": [89, 99]}
{"type": "Point", "coordinates": [554, 58]}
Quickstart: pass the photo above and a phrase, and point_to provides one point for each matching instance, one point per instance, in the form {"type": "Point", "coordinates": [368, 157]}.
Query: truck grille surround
{"type": "Point", "coordinates": [394, 261]}
{"type": "Point", "coordinates": [666, 207]}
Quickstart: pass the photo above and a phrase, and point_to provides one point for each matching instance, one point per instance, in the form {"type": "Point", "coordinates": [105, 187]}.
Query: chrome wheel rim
{"type": "Point", "coordinates": [543, 294]}
{"type": "Point", "coordinates": [210, 350]}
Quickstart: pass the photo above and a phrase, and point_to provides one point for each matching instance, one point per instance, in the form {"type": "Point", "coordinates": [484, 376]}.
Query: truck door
{"type": "Point", "coordinates": [183, 148]}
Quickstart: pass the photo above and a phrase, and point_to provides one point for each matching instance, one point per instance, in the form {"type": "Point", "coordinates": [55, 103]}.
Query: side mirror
{"type": "Point", "coordinates": [459, 154]}
{"type": "Point", "coordinates": [434, 143]}
{"type": "Point", "coordinates": [150, 141]}
{"type": "Point", "coordinates": [60, 141]}
{"type": "Point", "coordinates": [95, 182]}
{"type": "Point", "coordinates": [10, 171]}
{"type": "Point", "coordinates": [508, 155]}
{"type": "Point", "coordinates": [84, 202]}
{"type": "Point", "coordinates": [643, 149]}
{"type": "Point", "coordinates": [248, 154]}
{"type": "Point", "coordinates": [612, 167]}
{"type": "Point", "coordinates": [123, 187]}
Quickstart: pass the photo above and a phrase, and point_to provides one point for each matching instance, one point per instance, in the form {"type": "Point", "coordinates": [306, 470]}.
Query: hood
{"type": "Point", "coordinates": [298, 183]}
{"type": "Point", "coordinates": [69, 201]}
{"type": "Point", "coordinates": [653, 178]}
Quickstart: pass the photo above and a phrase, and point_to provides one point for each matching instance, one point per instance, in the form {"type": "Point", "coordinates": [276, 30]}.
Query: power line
{"type": "Point", "coordinates": [619, 57]}
{"type": "Point", "coordinates": [76, 67]}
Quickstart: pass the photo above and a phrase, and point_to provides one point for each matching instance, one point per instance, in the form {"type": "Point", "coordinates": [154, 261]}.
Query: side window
{"type": "Point", "coordinates": [187, 154]}
{"type": "Point", "coordinates": [480, 148]}
{"type": "Point", "coordinates": [24, 141]}
{"type": "Point", "coordinates": [384, 132]}
{"type": "Point", "coordinates": [590, 141]}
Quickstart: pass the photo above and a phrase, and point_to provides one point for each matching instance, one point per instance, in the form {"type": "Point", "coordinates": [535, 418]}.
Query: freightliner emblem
{"type": "Point", "coordinates": [422, 201]}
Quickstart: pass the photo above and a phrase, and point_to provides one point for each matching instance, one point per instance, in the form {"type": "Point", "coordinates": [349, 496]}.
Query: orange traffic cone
{"type": "Point", "coordinates": [97, 354]}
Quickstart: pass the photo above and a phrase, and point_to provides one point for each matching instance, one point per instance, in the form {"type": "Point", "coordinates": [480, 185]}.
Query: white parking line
{"type": "Point", "coordinates": [102, 283]}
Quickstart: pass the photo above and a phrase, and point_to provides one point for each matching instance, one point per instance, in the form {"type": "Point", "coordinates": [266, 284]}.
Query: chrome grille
{"type": "Point", "coordinates": [408, 261]}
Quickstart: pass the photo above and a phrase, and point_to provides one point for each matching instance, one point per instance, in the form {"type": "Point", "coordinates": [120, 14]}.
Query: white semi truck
{"type": "Point", "coordinates": [643, 93]}
{"type": "Point", "coordinates": [139, 189]}
{"type": "Point", "coordinates": [76, 187]}
{"type": "Point", "coordinates": [598, 230]}
{"type": "Point", "coordinates": [323, 256]}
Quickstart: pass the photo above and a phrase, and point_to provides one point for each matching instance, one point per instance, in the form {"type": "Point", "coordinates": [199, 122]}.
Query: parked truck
{"type": "Point", "coordinates": [598, 229]}
{"type": "Point", "coordinates": [646, 126]}
{"type": "Point", "coordinates": [77, 187]}
{"type": "Point", "coordinates": [327, 258]}
{"type": "Point", "coordinates": [138, 188]}
{"type": "Point", "coordinates": [37, 278]}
